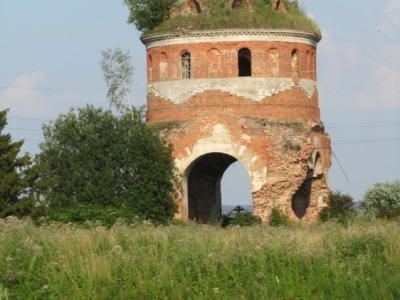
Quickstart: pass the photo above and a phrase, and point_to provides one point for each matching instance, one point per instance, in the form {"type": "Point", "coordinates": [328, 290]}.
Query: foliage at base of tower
{"type": "Point", "coordinates": [17, 177]}
{"type": "Point", "coordinates": [339, 206]}
{"type": "Point", "coordinates": [241, 219]}
{"type": "Point", "coordinates": [93, 158]}
{"type": "Point", "coordinates": [278, 218]}
{"type": "Point", "coordinates": [383, 199]}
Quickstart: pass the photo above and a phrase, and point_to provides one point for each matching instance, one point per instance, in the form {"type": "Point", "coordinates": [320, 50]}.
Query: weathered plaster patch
{"type": "Point", "coordinates": [253, 88]}
{"type": "Point", "coordinates": [246, 138]}
{"type": "Point", "coordinates": [242, 150]}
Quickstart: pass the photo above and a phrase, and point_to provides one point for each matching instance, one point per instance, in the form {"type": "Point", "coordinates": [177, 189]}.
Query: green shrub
{"type": "Point", "coordinates": [385, 213]}
{"type": "Point", "coordinates": [340, 207]}
{"type": "Point", "coordinates": [383, 199]}
{"type": "Point", "coordinates": [278, 218]}
{"type": "Point", "coordinates": [245, 219]}
{"type": "Point", "coordinates": [85, 214]}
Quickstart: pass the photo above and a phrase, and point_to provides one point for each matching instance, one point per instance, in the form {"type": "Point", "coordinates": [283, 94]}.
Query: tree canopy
{"type": "Point", "coordinates": [93, 157]}
{"type": "Point", "coordinates": [382, 198]}
{"type": "Point", "coordinates": [17, 176]}
{"type": "Point", "coordinates": [147, 14]}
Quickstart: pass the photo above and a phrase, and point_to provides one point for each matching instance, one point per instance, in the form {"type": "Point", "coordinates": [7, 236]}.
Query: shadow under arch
{"type": "Point", "coordinates": [202, 180]}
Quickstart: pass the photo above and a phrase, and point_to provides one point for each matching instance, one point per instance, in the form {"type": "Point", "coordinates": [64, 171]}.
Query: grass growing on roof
{"type": "Point", "coordinates": [222, 17]}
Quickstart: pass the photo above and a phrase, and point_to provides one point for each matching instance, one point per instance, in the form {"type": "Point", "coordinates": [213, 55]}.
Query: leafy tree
{"type": "Point", "coordinates": [118, 73]}
{"type": "Point", "coordinates": [92, 157]}
{"type": "Point", "coordinates": [147, 14]}
{"type": "Point", "coordinates": [383, 199]}
{"type": "Point", "coordinates": [17, 177]}
{"type": "Point", "coordinates": [340, 207]}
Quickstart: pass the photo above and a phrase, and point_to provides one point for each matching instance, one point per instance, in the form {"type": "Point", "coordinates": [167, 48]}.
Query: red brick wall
{"type": "Point", "coordinates": [289, 104]}
{"type": "Point", "coordinates": [224, 57]}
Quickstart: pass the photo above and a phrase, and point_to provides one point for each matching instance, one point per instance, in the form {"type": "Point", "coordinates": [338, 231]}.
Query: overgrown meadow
{"type": "Point", "coordinates": [189, 261]}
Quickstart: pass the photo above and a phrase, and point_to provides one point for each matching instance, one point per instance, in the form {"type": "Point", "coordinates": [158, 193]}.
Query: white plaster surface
{"type": "Point", "coordinates": [253, 88]}
{"type": "Point", "coordinates": [242, 150]}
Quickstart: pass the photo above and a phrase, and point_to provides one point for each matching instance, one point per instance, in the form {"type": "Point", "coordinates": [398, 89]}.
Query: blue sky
{"type": "Point", "coordinates": [49, 61]}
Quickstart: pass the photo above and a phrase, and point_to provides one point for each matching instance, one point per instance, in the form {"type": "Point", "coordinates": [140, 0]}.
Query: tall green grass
{"type": "Point", "coordinates": [324, 261]}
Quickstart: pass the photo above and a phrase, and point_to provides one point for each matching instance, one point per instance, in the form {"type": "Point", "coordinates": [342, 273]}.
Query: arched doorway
{"type": "Point", "coordinates": [204, 186]}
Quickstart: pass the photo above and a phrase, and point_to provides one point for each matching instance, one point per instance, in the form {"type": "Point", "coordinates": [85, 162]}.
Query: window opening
{"type": "Point", "coordinates": [194, 6]}
{"type": "Point", "coordinates": [244, 62]}
{"type": "Point", "coordinates": [185, 65]}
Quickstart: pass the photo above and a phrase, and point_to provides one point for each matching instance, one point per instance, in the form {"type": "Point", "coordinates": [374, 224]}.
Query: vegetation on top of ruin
{"type": "Point", "coordinates": [160, 16]}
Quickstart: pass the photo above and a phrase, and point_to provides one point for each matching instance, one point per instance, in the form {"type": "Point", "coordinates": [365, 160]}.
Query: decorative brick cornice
{"type": "Point", "coordinates": [230, 35]}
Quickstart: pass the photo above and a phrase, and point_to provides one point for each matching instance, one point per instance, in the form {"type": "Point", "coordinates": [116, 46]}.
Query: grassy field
{"type": "Point", "coordinates": [321, 261]}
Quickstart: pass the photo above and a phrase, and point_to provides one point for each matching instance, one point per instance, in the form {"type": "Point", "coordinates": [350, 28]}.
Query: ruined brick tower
{"type": "Point", "coordinates": [250, 95]}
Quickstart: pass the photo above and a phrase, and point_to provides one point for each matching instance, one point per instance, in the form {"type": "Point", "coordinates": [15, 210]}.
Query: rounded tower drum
{"type": "Point", "coordinates": [251, 95]}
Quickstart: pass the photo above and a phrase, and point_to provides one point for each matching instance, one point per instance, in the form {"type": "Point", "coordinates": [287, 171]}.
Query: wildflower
{"type": "Point", "coordinates": [116, 248]}
{"type": "Point", "coordinates": [277, 279]}
{"type": "Point", "coordinates": [216, 290]}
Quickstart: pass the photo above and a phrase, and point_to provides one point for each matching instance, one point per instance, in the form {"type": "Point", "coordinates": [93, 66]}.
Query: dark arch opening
{"type": "Point", "coordinates": [244, 62]}
{"type": "Point", "coordinates": [194, 6]}
{"type": "Point", "coordinates": [301, 199]}
{"type": "Point", "coordinates": [204, 186]}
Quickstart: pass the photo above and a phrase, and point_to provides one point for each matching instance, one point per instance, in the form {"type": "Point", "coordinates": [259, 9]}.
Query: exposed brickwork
{"type": "Point", "coordinates": [222, 60]}
{"type": "Point", "coordinates": [279, 138]}
{"type": "Point", "coordinates": [289, 104]}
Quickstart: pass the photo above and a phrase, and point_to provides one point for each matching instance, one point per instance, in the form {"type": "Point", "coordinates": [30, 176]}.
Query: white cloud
{"type": "Point", "coordinates": [368, 72]}
{"type": "Point", "coordinates": [390, 23]}
{"type": "Point", "coordinates": [23, 99]}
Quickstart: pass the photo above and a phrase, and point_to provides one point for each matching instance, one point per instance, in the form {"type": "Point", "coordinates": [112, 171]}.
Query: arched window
{"type": "Point", "coordinates": [185, 65]}
{"type": "Point", "coordinates": [244, 62]}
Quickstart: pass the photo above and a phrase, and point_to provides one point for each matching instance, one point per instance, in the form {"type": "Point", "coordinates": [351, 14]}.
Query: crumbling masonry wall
{"type": "Point", "coordinates": [269, 121]}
